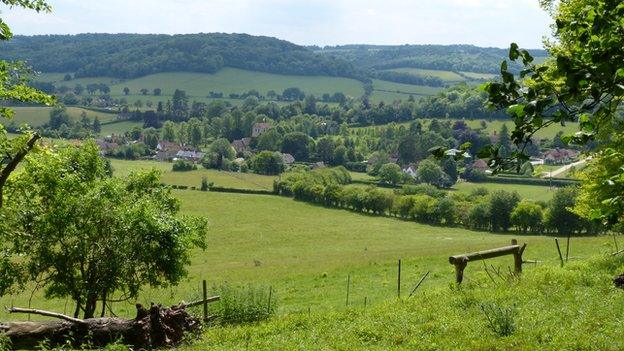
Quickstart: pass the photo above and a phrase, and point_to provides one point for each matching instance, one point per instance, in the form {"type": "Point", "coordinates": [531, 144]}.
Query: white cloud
{"type": "Point", "coordinates": [480, 22]}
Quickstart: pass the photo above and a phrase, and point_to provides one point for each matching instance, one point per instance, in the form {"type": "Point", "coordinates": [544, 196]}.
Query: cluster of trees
{"type": "Point", "coordinates": [135, 55]}
{"type": "Point", "coordinates": [62, 125]}
{"type": "Point", "coordinates": [407, 78]}
{"type": "Point", "coordinates": [498, 211]}
{"type": "Point", "coordinates": [440, 57]}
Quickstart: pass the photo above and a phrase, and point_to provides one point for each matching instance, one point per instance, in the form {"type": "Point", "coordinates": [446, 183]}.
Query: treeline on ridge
{"type": "Point", "coordinates": [136, 55]}
{"type": "Point", "coordinates": [438, 57]}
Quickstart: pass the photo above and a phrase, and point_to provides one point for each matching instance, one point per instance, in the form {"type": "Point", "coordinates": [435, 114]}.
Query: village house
{"type": "Point", "coordinates": [288, 159]}
{"type": "Point", "coordinates": [560, 156]}
{"type": "Point", "coordinates": [105, 145]}
{"type": "Point", "coordinates": [166, 150]}
{"type": "Point", "coordinates": [481, 165]}
{"type": "Point", "coordinates": [193, 156]}
{"type": "Point", "coordinates": [258, 128]}
{"type": "Point", "coordinates": [410, 171]}
{"type": "Point", "coordinates": [241, 145]}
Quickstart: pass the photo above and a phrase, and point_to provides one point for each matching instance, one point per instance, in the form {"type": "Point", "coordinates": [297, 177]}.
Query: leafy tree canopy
{"type": "Point", "coordinates": [84, 235]}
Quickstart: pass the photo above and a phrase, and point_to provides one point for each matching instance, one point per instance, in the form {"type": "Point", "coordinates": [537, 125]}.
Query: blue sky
{"type": "Point", "coordinates": [320, 22]}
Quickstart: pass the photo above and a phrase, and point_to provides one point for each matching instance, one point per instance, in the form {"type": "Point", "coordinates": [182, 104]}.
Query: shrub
{"type": "Point", "coordinates": [424, 209]}
{"type": "Point", "coordinates": [422, 189]}
{"type": "Point", "coordinates": [240, 305]}
{"type": "Point", "coordinates": [356, 167]}
{"type": "Point", "coordinates": [500, 319]}
{"type": "Point", "coordinates": [204, 184]}
{"type": "Point", "coordinates": [183, 166]}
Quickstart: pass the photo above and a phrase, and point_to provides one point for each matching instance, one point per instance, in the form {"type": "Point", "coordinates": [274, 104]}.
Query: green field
{"type": "Point", "coordinates": [445, 76]}
{"type": "Point", "coordinates": [530, 192]}
{"type": "Point", "coordinates": [479, 75]}
{"type": "Point", "coordinates": [389, 91]}
{"type": "Point", "coordinates": [549, 132]}
{"type": "Point", "coordinates": [493, 126]}
{"type": "Point", "coordinates": [37, 116]}
{"type": "Point", "coordinates": [305, 252]}
{"type": "Point", "coordinates": [193, 178]}
{"type": "Point", "coordinates": [226, 81]}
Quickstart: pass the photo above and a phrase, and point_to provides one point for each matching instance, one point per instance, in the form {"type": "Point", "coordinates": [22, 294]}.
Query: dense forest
{"type": "Point", "coordinates": [135, 55]}
{"type": "Point", "coordinates": [439, 57]}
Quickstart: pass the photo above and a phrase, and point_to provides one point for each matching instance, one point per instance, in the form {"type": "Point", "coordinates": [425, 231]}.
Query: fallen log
{"type": "Point", "coordinates": [154, 328]}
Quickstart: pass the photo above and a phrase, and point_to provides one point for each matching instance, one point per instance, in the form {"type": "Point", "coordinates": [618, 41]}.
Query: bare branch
{"type": "Point", "coordinates": [47, 314]}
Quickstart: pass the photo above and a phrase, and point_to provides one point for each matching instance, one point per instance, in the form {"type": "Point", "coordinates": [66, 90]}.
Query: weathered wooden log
{"type": "Point", "coordinates": [153, 328]}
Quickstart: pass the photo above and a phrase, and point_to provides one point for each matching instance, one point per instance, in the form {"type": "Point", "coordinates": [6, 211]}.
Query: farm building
{"type": "Point", "coordinates": [258, 128]}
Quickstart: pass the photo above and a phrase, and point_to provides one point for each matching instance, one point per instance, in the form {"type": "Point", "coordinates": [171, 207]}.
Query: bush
{"type": "Point", "coordinates": [267, 162]}
{"type": "Point", "coordinates": [500, 319]}
{"type": "Point", "coordinates": [240, 305]}
{"type": "Point", "coordinates": [356, 167]}
{"type": "Point", "coordinates": [204, 184]}
{"type": "Point", "coordinates": [422, 189]}
{"type": "Point", "coordinates": [183, 166]}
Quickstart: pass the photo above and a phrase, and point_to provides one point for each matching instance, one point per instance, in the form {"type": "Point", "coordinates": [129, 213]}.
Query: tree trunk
{"type": "Point", "coordinates": [158, 327]}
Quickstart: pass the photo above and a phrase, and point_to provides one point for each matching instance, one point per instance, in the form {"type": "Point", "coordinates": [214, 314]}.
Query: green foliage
{"type": "Point", "coordinates": [240, 305]}
{"type": "Point", "coordinates": [527, 216]}
{"type": "Point", "coordinates": [583, 80]}
{"type": "Point", "coordinates": [298, 145]}
{"type": "Point", "coordinates": [133, 55]}
{"type": "Point", "coordinates": [502, 203]}
{"type": "Point", "coordinates": [501, 320]}
{"type": "Point", "coordinates": [183, 166]}
{"type": "Point", "coordinates": [430, 172]}
{"type": "Point", "coordinates": [89, 236]}
{"type": "Point", "coordinates": [390, 173]}
{"type": "Point", "coordinates": [221, 152]}
{"type": "Point", "coordinates": [267, 162]}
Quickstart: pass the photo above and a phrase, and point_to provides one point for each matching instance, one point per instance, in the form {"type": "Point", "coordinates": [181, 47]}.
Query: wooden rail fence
{"type": "Point", "coordinates": [461, 261]}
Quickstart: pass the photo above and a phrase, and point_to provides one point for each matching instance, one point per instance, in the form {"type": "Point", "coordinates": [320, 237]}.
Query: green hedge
{"type": "Point", "coordinates": [240, 191]}
{"type": "Point", "coordinates": [557, 182]}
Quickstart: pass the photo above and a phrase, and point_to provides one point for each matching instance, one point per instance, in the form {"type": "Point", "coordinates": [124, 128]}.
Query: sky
{"type": "Point", "coordinates": [491, 23]}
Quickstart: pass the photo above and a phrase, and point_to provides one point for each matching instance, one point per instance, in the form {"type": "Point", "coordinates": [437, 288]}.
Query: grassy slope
{"type": "Point", "coordinates": [445, 76]}
{"type": "Point", "coordinates": [389, 91]}
{"type": "Point", "coordinates": [194, 178]}
{"type": "Point", "coordinates": [531, 192]}
{"type": "Point", "coordinates": [496, 125]}
{"type": "Point", "coordinates": [306, 252]}
{"type": "Point", "coordinates": [571, 308]}
{"type": "Point", "coordinates": [226, 80]}
{"type": "Point", "coordinates": [36, 116]}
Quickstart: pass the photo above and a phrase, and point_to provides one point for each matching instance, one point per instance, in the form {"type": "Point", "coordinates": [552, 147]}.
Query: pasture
{"type": "Point", "coordinates": [492, 126]}
{"type": "Point", "coordinates": [193, 178]}
{"type": "Point", "coordinates": [445, 76]}
{"type": "Point", "coordinates": [305, 252]}
{"type": "Point", "coordinates": [36, 116]}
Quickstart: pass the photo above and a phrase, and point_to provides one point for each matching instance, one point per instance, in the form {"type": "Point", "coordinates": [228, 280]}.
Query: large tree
{"type": "Point", "coordinates": [13, 88]}
{"type": "Point", "coordinates": [81, 234]}
{"type": "Point", "coordinates": [582, 81]}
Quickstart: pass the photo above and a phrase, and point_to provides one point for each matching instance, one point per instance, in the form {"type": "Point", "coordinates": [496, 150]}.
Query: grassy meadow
{"type": "Point", "coordinates": [445, 76]}
{"type": "Point", "coordinates": [36, 116]}
{"type": "Point", "coordinates": [193, 178]}
{"type": "Point", "coordinates": [305, 252]}
{"type": "Point", "coordinates": [493, 126]}
{"type": "Point", "coordinates": [548, 308]}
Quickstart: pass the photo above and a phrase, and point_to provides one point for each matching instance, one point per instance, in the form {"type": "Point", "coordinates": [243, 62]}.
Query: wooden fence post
{"type": "Point", "coordinates": [559, 251]}
{"type": "Point", "coordinates": [399, 280]}
{"type": "Point", "coordinates": [205, 291]}
{"type": "Point", "coordinates": [517, 257]}
{"type": "Point", "coordinates": [459, 270]}
{"type": "Point", "coordinates": [348, 286]}
{"type": "Point", "coordinates": [269, 304]}
{"type": "Point", "coordinates": [568, 247]}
